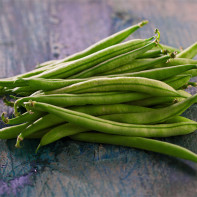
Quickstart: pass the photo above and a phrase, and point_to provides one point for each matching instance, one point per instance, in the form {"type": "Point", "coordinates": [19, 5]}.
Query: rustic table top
{"type": "Point", "coordinates": [34, 31]}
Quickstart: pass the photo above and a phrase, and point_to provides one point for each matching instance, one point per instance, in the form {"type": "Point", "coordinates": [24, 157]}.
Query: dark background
{"type": "Point", "coordinates": [34, 31]}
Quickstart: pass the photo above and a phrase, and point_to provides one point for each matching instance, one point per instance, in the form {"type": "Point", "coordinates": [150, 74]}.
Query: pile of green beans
{"type": "Point", "coordinates": [112, 93]}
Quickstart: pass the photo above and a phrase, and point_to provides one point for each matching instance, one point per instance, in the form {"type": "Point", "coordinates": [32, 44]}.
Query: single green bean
{"type": "Point", "coordinates": [152, 54]}
{"type": "Point", "coordinates": [153, 101]}
{"type": "Point", "coordinates": [177, 61]}
{"type": "Point", "coordinates": [169, 48]}
{"type": "Point", "coordinates": [97, 110]}
{"type": "Point", "coordinates": [139, 84]}
{"type": "Point", "coordinates": [178, 119]}
{"type": "Point", "coordinates": [178, 81]}
{"type": "Point", "coordinates": [138, 65]}
{"type": "Point", "coordinates": [138, 142]}
{"type": "Point", "coordinates": [12, 132]}
{"type": "Point", "coordinates": [184, 94]}
{"type": "Point", "coordinates": [189, 52]}
{"type": "Point", "coordinates": [26, 117]}
{"type": "Point", "coordinates": [159, 73]}
{"type": "Point", "coordinates": [106, 42]}
{"type": "Point", "coordinates": [192, 72]}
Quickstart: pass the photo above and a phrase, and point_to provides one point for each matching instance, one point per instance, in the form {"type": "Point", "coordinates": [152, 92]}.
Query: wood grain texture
{"type": "Point", "coordinates": [33, 31]}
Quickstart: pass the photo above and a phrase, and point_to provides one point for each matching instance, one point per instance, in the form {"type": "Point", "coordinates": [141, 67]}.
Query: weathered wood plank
{"type": "Point", "coordinates": [33, 31]}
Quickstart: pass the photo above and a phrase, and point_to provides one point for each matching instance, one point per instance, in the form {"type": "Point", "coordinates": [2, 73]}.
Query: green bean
{"type": "Point", "coordinates": [24, 89]}
{"type": "Point", "coordinates": [114, 62]}
{"type": "Point", "coordinates": [111, 127]}
{"type": "Point", "coordinates": [68, 69]}
{"type": "Point", "coordinates": [192, 72]}
{"type": "Point", "coordinates": [159, 73]}
{"type": "Point", "coordinates": [26, 117]}
{"type": "Point", "coordinates": [50, 62]}
{"type": "Point", "coordinates": [189, 52]}
{"type": "Point", "coordinates": [50, 120]}
{"type": "Point", "coordinates": [65, 100]}
{"type": "Point", "coordinates": [13, 83]}
{"type": "Point", "coordinates": [138, 65]}
{"type": "Point", "coordinates": [152, 53]}
{"type": "Point", "coordinates": [97, 110]}
{"type": "Point", "coordinates": [169, 48]}
{"type": "Point", "coordinates": [138, 142]}
{"type": "Point", "coordinates": [106, 42]}
{"type": "Point", "coordinates": [139, 84]}
{"type": "Point", "coordinates": [178, 81]}
{"type": "Point", "coordinates": [160, 100]}
{"type": "Point", "coordinates": [12, 131]}
{"type": "Point", "coordinates": [177, 61]}
{"type": "Point", "coordinates": [162, 114]}
{"type": "Point", "coordinates": [178, 119]}
{"type": "Point", "coordinates": [184, 93]}
{"type": "Point", "coordinates": [153, 101]}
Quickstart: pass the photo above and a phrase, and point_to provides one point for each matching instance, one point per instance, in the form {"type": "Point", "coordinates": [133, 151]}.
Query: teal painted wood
{"type": "Point", "coordinates": [36, 31]}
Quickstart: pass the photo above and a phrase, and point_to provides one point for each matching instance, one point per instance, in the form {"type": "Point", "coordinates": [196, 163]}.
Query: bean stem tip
{"type": "Point", "coordinates": [38, 148]}
{"type": "Point", "coordinates": [141, 24]}
{"type": "Point", "coordinates": [19, 139]}
{"type": "Point", "coordinates": [4, 119]}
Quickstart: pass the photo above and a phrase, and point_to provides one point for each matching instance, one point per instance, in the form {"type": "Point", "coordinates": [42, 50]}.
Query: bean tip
{"type": "Point", "coordinates": [38, 148]}
{"type": "Point", "coordinates": [173, 54]}
{"type": "Point", "coordinates": [4, 119]}
{"type": "Point", "coordinates": [158, 35]}
{"type": "Point", "coordinates": [19, 139]}
{"type": "Point", "coordinates": [141, 24]}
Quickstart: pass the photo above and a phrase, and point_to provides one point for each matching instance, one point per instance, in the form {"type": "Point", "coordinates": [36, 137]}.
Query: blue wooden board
{"type": "Point", "coordinates": [33, 31]}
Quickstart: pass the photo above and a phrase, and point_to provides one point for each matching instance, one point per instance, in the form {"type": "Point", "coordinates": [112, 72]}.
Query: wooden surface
{"type": "Point", "coordinates": [33, 31]}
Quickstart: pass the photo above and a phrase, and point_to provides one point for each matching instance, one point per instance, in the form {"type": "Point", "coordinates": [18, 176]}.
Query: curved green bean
{"type": "Point", "coordinates": [26, 117]}
{"type": "Point", "coordinates": [138, 142]}
{"type": "Point", "coordinates": [106, 42]}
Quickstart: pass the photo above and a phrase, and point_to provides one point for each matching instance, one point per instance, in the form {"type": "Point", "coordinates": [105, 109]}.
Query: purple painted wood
{"type": "Point", "coordinates": [35, 31]}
